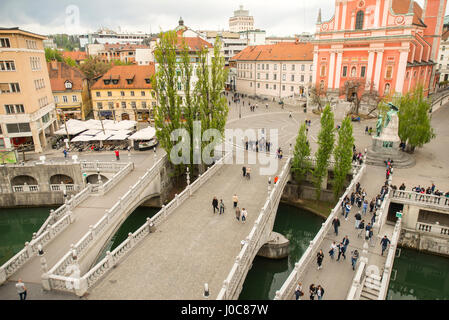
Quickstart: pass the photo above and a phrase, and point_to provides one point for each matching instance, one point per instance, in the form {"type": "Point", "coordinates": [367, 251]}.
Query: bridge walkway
{"type": "Point", "coordinates": [193, 246]}
{"type": "Point", "coordinates": [87, 213]}
{"type": "Point", "coordinates": [336, 276]}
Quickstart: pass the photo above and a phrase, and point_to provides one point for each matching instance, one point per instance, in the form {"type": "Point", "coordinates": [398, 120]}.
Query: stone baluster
{"type": "Point", "coordinates": [26, 188]}
{"type": "Point", "coordinates": [110, 259]}
{"type": "Point", "coordinates": [277, 295]}
{"type": "Point", "coordinates": [29, 249]}
{"type": "Point", "coordinates": [92, 231]}
{"type": "Point", "coordinates": [225, 288]}
{"type": "Point", "coordinates": [150, 225]}
{"type": "Point", "coordinates": [44, 266]}
{"type": "Point", "coordinates": [2, 275]}
{"type": "Point", "coordinates": [177, 200]}
{"type": "Point", "coordinates": [131, 240]}
{"type": "Point", "coordinates": [45, 282]}
{"type": "Point", "coordinates": [164, 211]}
{"type": "Point", "coordinates": [82, 288]}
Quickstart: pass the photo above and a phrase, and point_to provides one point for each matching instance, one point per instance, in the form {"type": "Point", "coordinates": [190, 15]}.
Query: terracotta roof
{"type": "Point", "coordinates": [75, 55]}
{"type": "Point", "coordinates": [123, 47]}
{"type": "Point", "coordinates": [283, 51]}
{"type": "Point", "coordinates": [122, 73]}
{"type": "Point", "coordinates": [64, 72]}
{"type": "Point", "coordinates": [194, 43]}
{"type": "Point", "coordinates": [402, 6]}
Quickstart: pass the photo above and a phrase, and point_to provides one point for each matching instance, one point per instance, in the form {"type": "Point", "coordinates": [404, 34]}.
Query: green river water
{"type": "Point", "coordinates": [416, 276]}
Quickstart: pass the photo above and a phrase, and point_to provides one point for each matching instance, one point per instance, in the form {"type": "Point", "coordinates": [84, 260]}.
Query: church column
{"type": "Point", "coordinates": [337, 15]}
{"type": "Point", "coordinates": [401, 70]}
{"type": "Point", "coordinates": [330, 78]}
{"type": "Point", "coordinates": [338, 69]}
{"type": "Point", "coordinates": [343, 17]}
{"type": "Point", "coordinates": [376, 14]}
{"type": "Point", "coordinates": [317, 67]}
{"type": "Point", "coordinates": [379, 59]}
{"type": "Point", "coordinates": [369, 73]}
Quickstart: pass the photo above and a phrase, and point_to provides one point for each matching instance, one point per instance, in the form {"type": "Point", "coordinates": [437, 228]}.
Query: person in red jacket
{"type": "Point", "coordinates": [117, 155]}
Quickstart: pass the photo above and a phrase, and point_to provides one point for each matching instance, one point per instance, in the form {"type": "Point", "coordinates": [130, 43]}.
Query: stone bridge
{"type": "Point", "coordinates": [89, 215]}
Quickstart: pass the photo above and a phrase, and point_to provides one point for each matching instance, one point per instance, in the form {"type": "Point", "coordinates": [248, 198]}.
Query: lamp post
{"type": "Point", "coordinates": [188, 176]}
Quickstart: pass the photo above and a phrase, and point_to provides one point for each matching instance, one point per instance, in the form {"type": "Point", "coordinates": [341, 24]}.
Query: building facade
{"type": "Point", "coordinates": [27, 112]}
{"type": "Point", "coordinates": [231, 42]}
{"type": "Point", "coordinates": [70, 91]}
{"type": "Point", "coordinates": [241, 21]}
{"type": "Point", "coordinates": [389, 45]}
{"type": "Point", "coordinates": [110, 52]}
{"type": "Point", "coordinates": [124, 93]}
{"type": "Point", "coordinates": [280, 70]}
{"type": "Point", "coordinates": [105, 35]}
{"type": "Point", "coordinates": [443, 58]}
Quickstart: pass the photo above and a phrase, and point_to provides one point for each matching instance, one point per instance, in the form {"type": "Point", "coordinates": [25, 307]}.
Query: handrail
{"type": "Point", "coordinates": [421, 198]}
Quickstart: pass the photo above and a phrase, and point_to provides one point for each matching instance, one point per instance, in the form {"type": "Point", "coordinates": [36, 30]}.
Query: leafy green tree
{"type": "Point", "coordinates": [326, 139]}
{"type": "Point", "coordinates": [343, 156]}
{"type": "Point", "coordinates": [168, 110]}
{"type": "Point", "coordinates": [93, 68]}
{"type": "Point", "coordinates": [120, 63]}
{"type": "Point", "coordinates": [414, 119]}
{"type": "Point", "coordinates": [213, 107]}
{"type": "Point", "coordinates": [70, 62]}
{"type": "Point", "coordinates": [301, 163]}
{"type": "Point", "coordinates": [53, 54]}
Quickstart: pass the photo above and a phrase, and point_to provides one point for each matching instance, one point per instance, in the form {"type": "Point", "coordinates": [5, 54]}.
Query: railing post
{"type": "Point", "coordinates": [29, 249]}
{"type": "Point", "coordinates": [151, 227]}
{"type": "Point", "coordinates": [2, 275]}
{"type": "Point", "coordinates": [45, 282]}
{"type": "Point", "coordinates": [110, 259]}
{"type": "Point", "coordinates": [71, 216]}
{"type": "Point", "coordinates": [82, 289]}
{"type": "Point", "coordinates": [131, 240]}
{"type": "Point", "coordinates": [177, 200]}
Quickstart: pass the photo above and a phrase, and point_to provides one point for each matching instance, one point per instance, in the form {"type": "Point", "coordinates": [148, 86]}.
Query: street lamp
{"type": "Point", "coordinates": [188, 176]}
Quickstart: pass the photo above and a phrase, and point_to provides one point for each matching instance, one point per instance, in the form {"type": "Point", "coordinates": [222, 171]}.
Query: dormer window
{"type": "Point", "coordinates": [115, 81]}
{"type": "Point", "coordinates": [107, 81]}
{"type": "Point", "coordinates": [148, 80]}
{"type": "Point", "coordinates": [359, 20]}
{"type": "Point", "coordinates": [130, 81]}
{"type": "Point", "coordinates": [68, 85]}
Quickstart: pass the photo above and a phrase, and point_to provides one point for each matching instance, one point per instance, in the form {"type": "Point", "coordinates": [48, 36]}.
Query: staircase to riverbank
{"type": "Point", "coordinates": [400, 160]}
{"type": "Point", "coordinates": [371, 287]}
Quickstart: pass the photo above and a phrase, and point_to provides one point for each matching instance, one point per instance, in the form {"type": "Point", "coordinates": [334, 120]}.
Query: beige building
{"type": "Point", "coordinates": [124, 93]}
{"type": "Point", "coordinates": [280, 70]}
{"type": "Point", "coordinates": [241, 21]}
{"type": "Point", "coordinates": [27, 110]}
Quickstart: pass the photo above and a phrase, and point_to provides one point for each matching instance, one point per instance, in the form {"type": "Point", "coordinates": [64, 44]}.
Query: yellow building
{"type": "Point", "coordinates": [27, 111]}
{"type": "Point", "coordinates": [124, 93]}
{"type": "Point", "coordinates": [70, 91]}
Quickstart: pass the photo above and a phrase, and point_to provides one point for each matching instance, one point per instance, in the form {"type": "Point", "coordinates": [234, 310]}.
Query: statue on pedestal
{"type": "Point", "coordinates": [379, 125]}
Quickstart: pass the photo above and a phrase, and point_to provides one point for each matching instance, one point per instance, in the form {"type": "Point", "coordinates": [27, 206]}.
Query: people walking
{"type": "Point", "coordinates": [244, 215]}
{"type": "Point", "coordinates": [332, 250]}
{"type": "Point", "coordinates": [235, 199]}
{"type": "Point", "coordinates": [361, 228]}
{"type": "Point", "coordinates": [358, 218]}
{"type": "Point", "coordinates": [373, 218]}
{"type": "Point", "coordinates": [365, 206]}
{"type": "Point", "coordinates": [298, 291]}
{"type": "Point", "coordinates": [312, 291]}
{"type": "Point", "coordinates": [248, 173]}
{"type": "Point", "coordinates": [336, 224]}
{"type": "Point", "coordinates": [21, 290]}
{"type": "Point", "coordinates": [237, 213]}
{"type": "Point", "coordinates": [215, 204]}
{"type": "Point", "coordinates": [384, 242]}
{"type": "Point", "coordinates": [347, 209]}
{"type": "Point", "coordinates": [244, 171]}
{"type": "Point", "coordinates": [354, 257]}
{"type": "Point", "coordinates": [65, 153]}
{"type": "Point", "coordinates": [222, 206]}
{"type": "Point", "coordinates": [117, 155]}
{"type": "Point", "coordinates": [319, 292]}
{"type": "Point", "coordinates": [319, 259]}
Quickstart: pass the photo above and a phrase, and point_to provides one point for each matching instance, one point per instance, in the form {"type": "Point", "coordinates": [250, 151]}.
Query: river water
{"type": "Point", "coordinates": [418, 276]}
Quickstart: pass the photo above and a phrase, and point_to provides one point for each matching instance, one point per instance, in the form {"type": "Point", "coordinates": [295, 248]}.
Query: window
{"type": "Point", "coordinates": [275, 67]}
{"type": "Point", "coordinates": [283, 87]}
{"type": "Point", "coordinates": [144, 104]}
{"type": "Point", "coordinates": [293, 78]}
{"type": "Point", "coordinates": [322, 84]}
{"type": "Point", "coordinates": [442, 57]}
{"type": "Point", "coordinates": [274, 76]}
{"type": "Point", "coordinates": [56, 99]}
{"type": "Point", "coordinates": [122, 93]}
{"type": "Point", "coordinates": [323, 70]}
{"type": "Point", "coordinates": [179, 86]}
{"type": "Point", "coordinates": [31, 44]}
{"type": "Point", "coordinates": [362, 72]}
{"type": "Point", "coordinates": [310, 78]}
{"type": "Point", "coordinates": [267, 67]}
{"type": "Point", "coordinates": [263, 67]}
{"type": "Point", "coordinates": [359, 20]}
{"type": "Point", "coordinates": [291, 88]}
{"type": "Point", "coordinates": [4, 43]}
{"type": "Point", "coordinates": [266, 76]}
{"type": "Point", "coordinates": [142, 93]}
{"type": "Point", "coordinates": [111, 105]}
{"type": "Point", "coordinates": [132, 93]}
{"type": "Point", "coordinates": [98, 93]}
{"type": "Point", "coordinates": [303, 67]}
{"type": "Point", "coordinates": [408, 74]}
{"type": "Point", "coordinates": [266, 86]}
{"type": "Point", "coordinates": [35, 63]}
{"type": "Point", "coordinates": [387, 89]}
{"type": "Point", "coordinates": [389, 72]}
{"type": "Point", "coordinates": [258, 85]}
{"type": "Point", "coordinates": [18, 127]}
{"type": "Point", "coordinates": [442, 48]}
{"type": "Point", "coordinates": [7, 65]}
{"type": "Point", "coordinates": [74, 98]}
{"type": "Point", "coordinates": [284, 67]}
{"type": "Point", "coordinates": [345, 71]}
{"type": "Point", "coordinates": [302, 78]}
{"type": "Point", "coordinates": [258, 67]}
{"type": "Point", "coordinates": [274, 87]}
{"type": "Point", "coordinates": [109, 94]}
{"type": "Point", "coordinates": [9, 88]}
{"type": "Point", "coordinates": [46, 118]}
{"type": "Point", "coordinates": [293, 67]}
{"type": "Point", "coordinates": [133, 104]}
{"type": "Point", "coordinates": [99, 105]}
{"type": "Point", "coordinates": [311, 67]}
{"type": "Point", "coordinates": [258, 75]}
{"type": "Point", "coordinates": [17, 108]}
{"type": "Point", "coordinates": [251, 84]}
{"type": "Point", "coordinates": [64, 98]}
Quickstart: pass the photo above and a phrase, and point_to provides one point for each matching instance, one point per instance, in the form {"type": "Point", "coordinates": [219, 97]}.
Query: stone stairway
{"type": "Point", "coordinates": [371, 287]}
{"type": "Point", "coordinates": [401, 159]}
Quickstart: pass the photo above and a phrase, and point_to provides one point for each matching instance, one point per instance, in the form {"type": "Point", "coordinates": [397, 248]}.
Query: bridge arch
{"type": "Point", "coordinates": [93, 178]}
{"type": "Point", "coordinates": [61, 178]}
{"type": "Point", "coordinates": [22, 179]}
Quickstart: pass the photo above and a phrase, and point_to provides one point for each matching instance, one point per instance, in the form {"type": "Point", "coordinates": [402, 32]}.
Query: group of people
{"type": "Point", "coordinates": [220, 208]}
{"type": "Point", "coordinates": [369, 130]}
{"type": "Point", "coordinates": [259, 145]}
{"type": "Point", "coordinates": [317, 291]}
{"type": "Point", "coordinates": [279, 153]}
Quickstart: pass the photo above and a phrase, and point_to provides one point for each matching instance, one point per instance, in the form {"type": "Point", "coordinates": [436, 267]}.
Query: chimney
{"type": "Point", "coordinates": [319, 16]}
{"type": "Point", "coordinates": [54, 64]}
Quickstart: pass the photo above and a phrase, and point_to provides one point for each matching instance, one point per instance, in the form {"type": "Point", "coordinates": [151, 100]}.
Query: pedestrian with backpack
{"type": "Point", "coordinates": [298, 291]}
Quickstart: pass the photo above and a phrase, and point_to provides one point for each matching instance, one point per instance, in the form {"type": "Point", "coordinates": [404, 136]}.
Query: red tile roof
{"type": "Point", "coordinates": [194, 43]}
{"type": "Point", "coordinates": [123, 47]}
{"type": "Point", "coordinates": [402, 6]}
{"type": "Point", "coordinates": [64, 72]}
{"type": "Point", "coordinates": [122, 73]}
{"type": "Point", "coordinates": [75, 55]}
{"type": "Point", "coordinates": [282, 51]}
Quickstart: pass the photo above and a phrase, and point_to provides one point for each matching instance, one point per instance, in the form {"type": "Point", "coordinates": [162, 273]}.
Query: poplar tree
{"type": "Point", "coordinates": [343, 156]}
{"type": "Point", "coordinates": [168, 109]}
{"type": "Point", "coordinates": [325, 146]}
{"type": "Point", "coordinates": [301, 162]}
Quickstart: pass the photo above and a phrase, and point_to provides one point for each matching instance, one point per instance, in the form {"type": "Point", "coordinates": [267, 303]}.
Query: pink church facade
{"type": "Point", "coordinates": [390, 45]}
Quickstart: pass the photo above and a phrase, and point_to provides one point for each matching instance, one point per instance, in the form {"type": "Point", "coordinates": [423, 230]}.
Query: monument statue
{"type": "Point", "coordinates": [379, 125]}
{"type": "Point", "coordinates": [390, 114]}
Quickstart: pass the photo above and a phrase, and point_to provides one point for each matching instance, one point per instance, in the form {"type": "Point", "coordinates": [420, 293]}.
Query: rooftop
{"type": "Point", "coordinates": [60, 72]}
{"type": "Point", "coordinates": [126, 77]}
{"type": "Point", "coordinates": [283, 51]}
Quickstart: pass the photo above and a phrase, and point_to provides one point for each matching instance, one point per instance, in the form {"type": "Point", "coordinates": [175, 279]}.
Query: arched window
{"type": "Point", "coordinates": [359, 20]}
{"type": "Point", "coordinates": [353, 72]}
{"type": "Point", "coordinates": [387, 89]}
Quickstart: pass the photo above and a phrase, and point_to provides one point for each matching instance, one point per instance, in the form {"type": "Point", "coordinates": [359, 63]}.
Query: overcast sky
{"type": "Point", "coordinates": [280, 18]}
